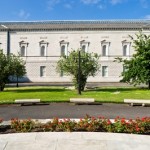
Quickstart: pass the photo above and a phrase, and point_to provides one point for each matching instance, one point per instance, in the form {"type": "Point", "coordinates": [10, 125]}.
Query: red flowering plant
{"type": "Point", "coordinates": [50, 126]}
{"type": "Point", "coordinates": [22, 125]}
{"type": "Point", "coordinates": [60, 125]}
{"type": "Point", "coordinates": [90, 124]}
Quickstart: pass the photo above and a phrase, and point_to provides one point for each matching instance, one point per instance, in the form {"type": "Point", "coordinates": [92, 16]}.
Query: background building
{"type": "Point", "coordinates": [42, 43]}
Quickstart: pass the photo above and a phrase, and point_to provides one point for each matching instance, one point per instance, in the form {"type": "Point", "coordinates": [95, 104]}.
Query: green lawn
{"type": "Point", "coordinates": [60, 94]}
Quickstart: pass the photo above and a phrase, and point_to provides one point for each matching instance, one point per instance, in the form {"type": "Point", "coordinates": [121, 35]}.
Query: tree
{"type": "Point", "coordinates": [137, 69]}
{"type": "Point", "coordinates": [69, 65]}
{"type": "Point", "coordinates": [10, 65]}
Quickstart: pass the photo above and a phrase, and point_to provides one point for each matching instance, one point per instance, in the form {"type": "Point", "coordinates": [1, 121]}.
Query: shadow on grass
{"type": "Point", "coordinates": [36, 90]}
{"type": "Point", "coordinates": [114, 89]}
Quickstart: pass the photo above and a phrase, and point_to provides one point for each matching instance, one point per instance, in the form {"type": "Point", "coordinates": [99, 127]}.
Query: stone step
{"type": "Point", "coordinates": [82, 100]}
{"type": "Point", "coordinates": [27, 101]}
{"type": "Point", "coordinates": [137, 101]}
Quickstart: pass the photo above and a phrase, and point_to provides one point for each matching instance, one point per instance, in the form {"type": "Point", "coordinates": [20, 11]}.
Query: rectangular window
{"type": "Point", "coordinates": [104, 71]}
{"type": "Point", "coordinates": [61, 73]}
{"type": "Point", "coordinates": [42, 71]}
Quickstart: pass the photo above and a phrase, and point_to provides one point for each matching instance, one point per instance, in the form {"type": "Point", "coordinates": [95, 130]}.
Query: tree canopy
{"type": "Point", "coordinates": [137, 69]}
{"type": "Point", "coordinates": [10, 65]}
{"type": "Point", "coordinates": [69, 65]}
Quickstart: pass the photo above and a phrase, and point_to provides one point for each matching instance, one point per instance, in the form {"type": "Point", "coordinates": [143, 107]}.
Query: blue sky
{"type": "Point", "coordinates": [32, 10]}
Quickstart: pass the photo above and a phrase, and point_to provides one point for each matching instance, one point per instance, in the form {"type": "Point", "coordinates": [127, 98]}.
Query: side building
{"type": "Point", "coordinates": [42, 43]}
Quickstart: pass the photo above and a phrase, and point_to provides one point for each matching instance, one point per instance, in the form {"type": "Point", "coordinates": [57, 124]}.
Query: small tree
{"type": "Point", "coordinates": [10, 65]}
{"type": "Point", "coordinates": [69, 65]}
{"type": "Point", "coordinates": [137, 69]}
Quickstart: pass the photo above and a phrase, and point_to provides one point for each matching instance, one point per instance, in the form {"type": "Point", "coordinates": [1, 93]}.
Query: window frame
{"type": "Point", "coordinates": [128, 45]}
{"type": "Point", "coordinates": [23, 44]}
{"type": "Point", "coordinates": [45, 44]}
{"type": "Point", "coordinates": [65, 45]}
{"type": "Point", "coordinates": [86, 44]}
{"type": "Point", "coordinates": [107, 44]}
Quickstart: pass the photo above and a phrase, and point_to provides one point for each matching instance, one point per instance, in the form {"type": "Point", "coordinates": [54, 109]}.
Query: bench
{"type": "Point", "coordinates": [137, 101]}
{"type": "Point", "coordinates": [81, 101]}
{"type": "Point", "coordinates": [27, 101]}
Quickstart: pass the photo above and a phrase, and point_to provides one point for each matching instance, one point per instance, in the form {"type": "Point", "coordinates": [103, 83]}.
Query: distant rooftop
{"type": "Point", "coordinates": [76, 25]}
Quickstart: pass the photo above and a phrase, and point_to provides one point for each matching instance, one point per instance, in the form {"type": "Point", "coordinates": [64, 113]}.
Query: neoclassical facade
{"type": "Point", "coordinates": [42, 43]}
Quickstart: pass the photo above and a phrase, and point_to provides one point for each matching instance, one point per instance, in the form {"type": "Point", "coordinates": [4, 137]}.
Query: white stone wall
{"type": "Point", "coordinates": [33, 61]}
{"type": "Point", "coordinates": [3, 41]}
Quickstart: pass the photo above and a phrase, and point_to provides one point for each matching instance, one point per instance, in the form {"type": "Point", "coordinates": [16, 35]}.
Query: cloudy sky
{"type": "Point", "coordinates": [32, 10]}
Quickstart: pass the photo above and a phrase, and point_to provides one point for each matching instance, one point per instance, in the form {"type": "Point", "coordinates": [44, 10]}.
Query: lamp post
{"type": "Point", "coordinates": [79, 73]}
{"type": "Point", "coordinates": [8, 38]}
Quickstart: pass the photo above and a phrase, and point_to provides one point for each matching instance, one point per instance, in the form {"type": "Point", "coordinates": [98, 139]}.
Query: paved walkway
{"type": "Point", "coordinates": [68, 110]}
{"type": "Point", "coordinates": [74, 141]}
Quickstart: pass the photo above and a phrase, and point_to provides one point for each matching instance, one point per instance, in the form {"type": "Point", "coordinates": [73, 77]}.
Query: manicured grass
{"type": "Point", "coordinates": [60, 94]}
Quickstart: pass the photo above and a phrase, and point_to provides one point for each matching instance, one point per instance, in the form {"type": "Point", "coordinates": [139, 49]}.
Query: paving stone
{"type": "Point", "coordinates": [59, 135]}
{"type": "Point", "coordinates": [40, 145]}
{"type": "Point", "coordinates": [81, 144]}
{"type": "Point", "coordinates": [2, 144]}
{"type": "Point", "coordinates": [18, 137]}
{"type": "Point", "coordinates": [124, 145]}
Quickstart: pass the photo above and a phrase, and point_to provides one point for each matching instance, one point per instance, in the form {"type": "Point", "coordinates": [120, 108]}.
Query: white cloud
{"type": "Point", "coordinates": [114, 2]}
{"type": "Point", "coordinates": [23, 14]}
{"type": "Point", "coordinates": [87, 2]}
{"type": "Point", "coordinates": [51, 4]}
{"type": "Point", "coordinates": [147, 17]}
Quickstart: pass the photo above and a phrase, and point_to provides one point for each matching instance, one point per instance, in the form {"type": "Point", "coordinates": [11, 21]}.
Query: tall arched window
{"type": "Point", "coordinates": [63, 48]}
{"type": "Point", "coordinates": [22, 51]}
{"type": "Point", "coordinates": [43, 50]}
{"type": "Point", "coordinates": [125, 50]}
{"type": "Point", "coordinates": [105, 45]}
{"type": "Point", "coordinates": [104, 52]}
{"type": "Point", "coordinates": [83, 48]}
{"type": "Point", "coordinates": [84, 45]}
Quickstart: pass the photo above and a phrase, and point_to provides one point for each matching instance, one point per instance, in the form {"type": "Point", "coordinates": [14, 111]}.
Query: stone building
{"type": "Point", "coordinates": [41, 43]}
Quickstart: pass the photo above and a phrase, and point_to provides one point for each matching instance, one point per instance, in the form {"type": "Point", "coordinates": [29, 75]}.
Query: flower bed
{"type": "Point", "coordinates": [87, 124]}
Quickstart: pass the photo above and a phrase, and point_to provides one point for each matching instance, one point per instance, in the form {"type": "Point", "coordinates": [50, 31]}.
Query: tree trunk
{"type": "Point", "coordinates": [149, 85]}
{"type": "Point", "coordinates": [2, 86]}
{"type": "Point", "coordinates": [17, 82]}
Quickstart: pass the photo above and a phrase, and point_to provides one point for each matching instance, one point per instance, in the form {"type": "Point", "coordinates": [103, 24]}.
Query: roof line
{"type": "Point", "coordinates": [107, 20]}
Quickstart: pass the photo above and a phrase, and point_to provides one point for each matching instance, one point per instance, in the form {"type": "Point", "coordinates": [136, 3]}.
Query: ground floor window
{"type": "Point", "coordinates": [104, 71]}
{"type": "Point", "coordinates": [42, 71]}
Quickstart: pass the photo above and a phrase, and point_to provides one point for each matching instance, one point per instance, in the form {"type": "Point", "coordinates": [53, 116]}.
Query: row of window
{"type": "Point", "coordinates": [84, 47]}
{"type": "Point", "coordinates": [43, 71]}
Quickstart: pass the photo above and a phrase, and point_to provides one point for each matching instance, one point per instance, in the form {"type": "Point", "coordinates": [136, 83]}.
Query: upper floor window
{"type": "Point", "coordinates": [23, 51]}
{"type": "Point", "coordinates": [64, 48]}
{"type": "Point", "coordinates": [23, 48]}
{"type": "Point", "coordinates": [84, 46]}
{"type": "Point", "coordinates": [104, 52]}
{"type": "Point", "coordinates": [105, 47]}
{"type": "Point", "coordinates": [125, 48]}
{"type": "Point", "coordinates": [43, 48]}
